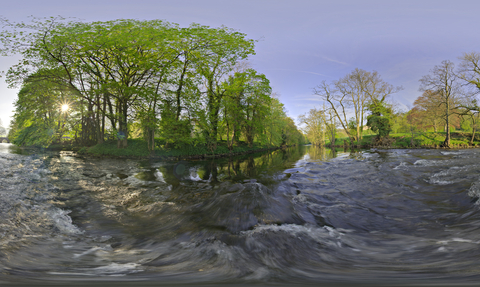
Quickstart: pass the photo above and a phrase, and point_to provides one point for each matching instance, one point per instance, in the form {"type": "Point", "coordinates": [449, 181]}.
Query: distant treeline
{"type": "Point", "coordinates": [361, 103]}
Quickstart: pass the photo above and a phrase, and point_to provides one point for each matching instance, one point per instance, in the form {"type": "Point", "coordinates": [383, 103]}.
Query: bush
{"type": "Point", "coordinates": [83, 150]}
{"type": "Point", "coordinates": [136, 147]}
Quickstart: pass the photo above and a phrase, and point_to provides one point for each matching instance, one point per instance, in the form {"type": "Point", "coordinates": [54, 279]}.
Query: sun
{"type": "Point", "coordinates": [65, 107]}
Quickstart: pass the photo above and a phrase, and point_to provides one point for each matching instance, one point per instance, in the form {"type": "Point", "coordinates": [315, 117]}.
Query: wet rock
{"type": "Point", "coordinates": [121, 175]}
{"type": "Point", "coordinates": [251, 205]}
{"type": "Point", "coordinates": [94, 174]}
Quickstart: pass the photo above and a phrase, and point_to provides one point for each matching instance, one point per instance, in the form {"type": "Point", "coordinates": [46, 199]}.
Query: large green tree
{"type": "Point", "coordinates": [169, 81]}
{"type": "Point", "coordinates": [111, 65]}
{"type": "Point", "coordinates": [41, 111]}
{"type": "Point", "coordinates": [222, 48]}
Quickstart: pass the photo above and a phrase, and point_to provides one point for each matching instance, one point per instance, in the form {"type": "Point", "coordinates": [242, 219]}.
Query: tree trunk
{"type": "Point", "coordinates": [473, 135]}
{"type": "Point", "coordinates": [213, 110]}
{"type": "Point", "coordinates": [179, 90]}
{"type": "Point", "coordinates": [446, 143]}
{"type": "Point", "coordinates": [358, 133]}
{"type": "Point", "coordinates": [122, 126]}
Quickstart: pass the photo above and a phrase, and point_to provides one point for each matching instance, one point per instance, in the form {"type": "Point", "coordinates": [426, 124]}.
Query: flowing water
{"type": "Point", "coordinates": [298, 215]}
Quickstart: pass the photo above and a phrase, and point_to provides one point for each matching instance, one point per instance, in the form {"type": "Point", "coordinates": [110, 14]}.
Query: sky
{"type": "Point", "coordinates": [300, 43]}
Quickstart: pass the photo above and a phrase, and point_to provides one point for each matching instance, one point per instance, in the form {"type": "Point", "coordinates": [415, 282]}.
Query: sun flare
{"type": "Point", "coordinates": [65, 107]}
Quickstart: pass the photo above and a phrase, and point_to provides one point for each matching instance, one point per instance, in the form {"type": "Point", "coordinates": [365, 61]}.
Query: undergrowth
{"type": "Point", "coordinates": [139, 148]}
{"type": "Point", "coordinates": [420, 139]}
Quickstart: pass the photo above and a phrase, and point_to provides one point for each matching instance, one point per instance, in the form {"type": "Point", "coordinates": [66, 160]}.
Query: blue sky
{"type": "Point", "coordinates": [301, 42]}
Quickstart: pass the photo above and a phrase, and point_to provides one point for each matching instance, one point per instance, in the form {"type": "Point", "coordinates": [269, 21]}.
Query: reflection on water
{"type": "Point", "coordinates": [264, 167]}
{"type": "Point", "coordinates": [11, 148]}
{"type": "Point", "coordinates": [303, 214]}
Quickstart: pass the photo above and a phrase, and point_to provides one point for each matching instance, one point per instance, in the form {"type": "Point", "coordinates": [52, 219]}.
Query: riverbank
{"type": "Point", "coordinates": [138, 148]}
{"type": "Point", "coordinates": [429, 140]}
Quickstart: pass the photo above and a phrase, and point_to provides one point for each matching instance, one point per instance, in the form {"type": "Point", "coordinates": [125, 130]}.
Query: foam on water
{"type": "Point", "coordinates": [451, 152]}
{"type": "Point", "coordinates": [402, 165]}
{"type": "Point", "coordinates": [63, 222]}
{"type": "Point", "coordinates": [159, 176]}
{"type": "Point", "coordinates": [454, 174]}
{"type": "Point", "coordinates": [317, 233]}
{"type": "Point", "coordinates": [113, 269]}
{"type": "Point", "coordinates": [474, 191]}
{"type": "Point", "coordinates": [26, 208]}
{"type": "Point", "coordinates": [426, 162]}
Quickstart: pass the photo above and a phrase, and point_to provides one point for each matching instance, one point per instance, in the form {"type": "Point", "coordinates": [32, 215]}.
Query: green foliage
{"type": "Point", "coordinates": [465, 124]}
{"type": "Point", "coordinates": [139, 148]}
{"type": "Point", "coordinates": [420, 139]}
{"type": "Point", "coordinates": [37, 134]}
{"type": "Point", "coordinates": [432, 139]}
{"type": "Point", "coordinates": [83, 150]}
{"type": "Point", "coordinates": [352, 126]}
{"type": "Point", "coordinates": [246, 103]}
{"type": "Point", "coordinates": [176, 132]}
{"type": "Point", "coordinates": [38, 119]}
{"type": "Point", "coordinates": [140, 78]}
{"type": "Point", "coordinates": [380, 120]}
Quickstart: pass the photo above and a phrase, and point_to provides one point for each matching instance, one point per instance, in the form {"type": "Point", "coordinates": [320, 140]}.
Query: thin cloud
{"type": "Point", "coordinates": [332, 60]}
{"type": "Point", "coordinates": [299, 71]}
{"type": "Point", "coordinates": [304, 106]}
{"type": "Point", "coordinates": [310, 98]}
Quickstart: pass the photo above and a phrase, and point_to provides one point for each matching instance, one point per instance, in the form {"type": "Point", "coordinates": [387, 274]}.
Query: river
{"type": "Point", "coordinates": [301, 215]}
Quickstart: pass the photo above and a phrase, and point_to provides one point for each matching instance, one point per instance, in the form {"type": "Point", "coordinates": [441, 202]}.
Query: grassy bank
{"type": "Point", "coordinates": [139, 148]}
{"type": "Point", "coordinates": [419, 140]}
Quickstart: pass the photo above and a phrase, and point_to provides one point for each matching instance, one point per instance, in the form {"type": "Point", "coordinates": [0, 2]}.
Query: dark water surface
{"type": "Point", "coordinates": [302, 215]}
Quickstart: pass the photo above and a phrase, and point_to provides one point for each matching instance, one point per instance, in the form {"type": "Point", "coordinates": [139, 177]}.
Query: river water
{"type": "Point", "coordinates": [301, 215]}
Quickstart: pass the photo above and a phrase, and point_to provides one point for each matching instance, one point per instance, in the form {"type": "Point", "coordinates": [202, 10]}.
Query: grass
{"type": "Point", "coordinates": [136, 147]}
{"type": "Point", "coordinates": [458, 139]}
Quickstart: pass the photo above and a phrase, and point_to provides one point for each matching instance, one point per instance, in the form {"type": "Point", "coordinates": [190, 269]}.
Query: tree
{"type": "Point", "coordinates": [429, 111]}
{"type": "Point", "coordinates": [111, 65]}
{"type": "Point", "coordinates": [443, 81]}
{"type": "Point", "coordinates": [39, 118]}
{"type": "Point", "coordinates": [380, 119]}
{"type": "Point", "coordinates": [399, 122]}
{"type": "Point", "coordinates": [221, 50]}
{"type": "Point", "coordinates": [352, 94]}
{"type": "Point", "coordinates": [331, 125]}
{"type": "Point", "coordinates": [474, 115]}
{"type": "Point", "coordinates": [290, 133]}
{"type": "Point", "coordinates": [469, 70]}
{"type": "Point", "coordinates": [377, 91]}
{"type": "Point", "coordinates": [256, 106]}
{"type": "Point", "coordinates": [275, 121]}
{"type": "Point", "coordinates": [339, 103]}
{"type": "Point", "coordinates": [168, 81]}
{"type": "Point", "coordinates": [315, 126]}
